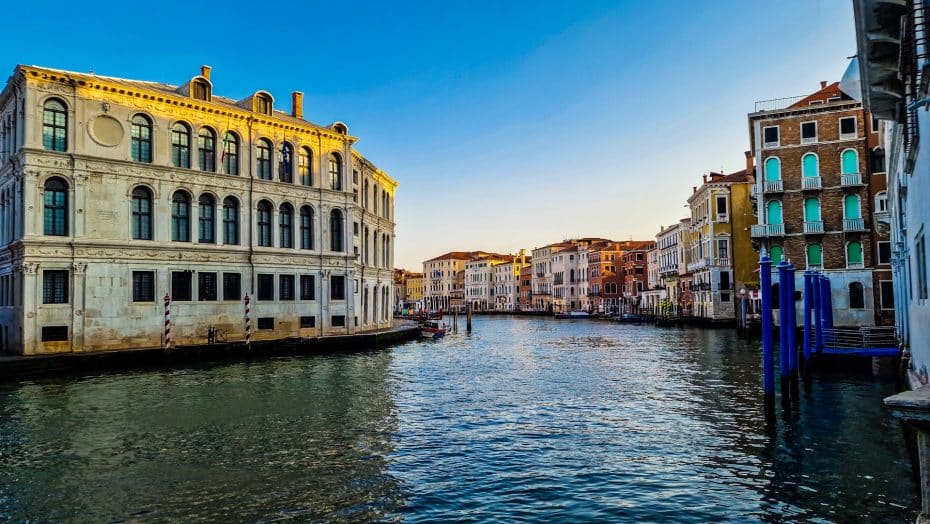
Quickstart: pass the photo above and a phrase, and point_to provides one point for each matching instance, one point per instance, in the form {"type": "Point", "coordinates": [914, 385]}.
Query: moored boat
{"type": "Point", "coordinates": [433, 328]}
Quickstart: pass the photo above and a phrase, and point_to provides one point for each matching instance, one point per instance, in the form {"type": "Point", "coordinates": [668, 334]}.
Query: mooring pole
{"type": "Point", "coordinates": [808, 306]}
{"type": "Point", "coordinates": [827, 303]}
{"type": "Point", "coordinates": [468, 318]}
{"type": "Point", "coordinates": [768, 361]}
{"type": "Point", "coordinates": [818, 313]}
{"type": "Point", "coordinates": [784, 304]}
{"type": "Point", "coordinates": [792, 333]}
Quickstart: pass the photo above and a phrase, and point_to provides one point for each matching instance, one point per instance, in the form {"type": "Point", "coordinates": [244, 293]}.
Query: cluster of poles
{"type": "Point", "coordinates": [248, 322]}
{"type": "Point", "coordinates": [818, 317]}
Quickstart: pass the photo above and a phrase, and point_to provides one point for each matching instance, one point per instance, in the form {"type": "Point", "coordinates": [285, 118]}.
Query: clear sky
{"type": "Point", "coordinates": [507, 124]}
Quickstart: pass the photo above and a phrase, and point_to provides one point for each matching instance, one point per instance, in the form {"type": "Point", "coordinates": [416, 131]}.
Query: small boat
{"type": "Point", "coordinates": [574, 314]}
{"type": "Point", "coordinates": [433, 328]}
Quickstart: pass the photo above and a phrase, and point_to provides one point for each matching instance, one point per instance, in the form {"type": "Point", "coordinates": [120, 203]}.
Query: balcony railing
{"type": "Point", "coordinates": [851, 179]}
{"type": "Point", "coordinates": [853, 224]}
{"type": "Point", "coordinates": [698, 264]}
{"type": "Point", "coordinates": [813, 227]}
{"type": "Point", "coordinates": [811, 182]}
{"type": "Point", "coordinates": [767, 230]}
{"type": "Point", "coordinates": [773, 186]}
{"type": "Point", "coordinates": [722, 261]}
{"type": "Point", "coordinates": [758, 231]}
{"type": "Point", "coordinates": [723, 217]}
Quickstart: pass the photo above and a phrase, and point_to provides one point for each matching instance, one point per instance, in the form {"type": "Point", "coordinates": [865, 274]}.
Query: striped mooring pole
{"type": "Point", "coordinates": [167, 322]}
{"type": "Point", "coordinates": [248, 322]}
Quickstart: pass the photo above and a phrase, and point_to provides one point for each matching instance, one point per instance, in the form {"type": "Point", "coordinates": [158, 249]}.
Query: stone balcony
{"type": "Point", "coordinates": [811, 182]}
{"type": "Point", "coordinates": [853, 224]}
{"type": "Point", "coordinates": [773, 186]}
{"type": "Point", "coordinates": [767, 230]}
{"type": "Point", "coordinates": [851, 179]}
{"type": "Point", "coordinates": [813, 227]}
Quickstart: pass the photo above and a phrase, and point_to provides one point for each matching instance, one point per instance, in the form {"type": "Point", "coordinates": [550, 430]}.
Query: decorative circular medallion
{"type": "Point", "coordinates": [106, 130]}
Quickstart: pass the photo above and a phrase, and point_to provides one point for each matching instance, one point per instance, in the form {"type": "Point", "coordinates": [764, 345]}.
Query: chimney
{"type": "Point", "coordinates": [297, 104]}
{"type": "Point", "coordinates": [694, 189]}
{"type": "Point", "coordinates": [823, 84]}
{"type": "Point", "coordinates": [749, 161]}
{"type": "Point", "coordinates": [205, 71]}
{"type": "Point", "coordinates": [705, 178]}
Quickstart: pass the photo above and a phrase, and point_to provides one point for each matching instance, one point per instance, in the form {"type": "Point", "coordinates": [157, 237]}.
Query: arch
{"type": "Point", "coordinates": [55, 125]}
{"type": "Point", "coordinates": [341, 128]}
{"type": "Point", "coordinates": [365, 196]}
{"type": "Point", "coordinates": [141, 138]}
{"type": "Point", "coordinates": [231, 153]}
{"type": "Point", "coordinates": [856, 295]}
{"type": "Point", "coordinates": [335, 171]}
{"type": "Point", "coordinates": [206, 149]}
{"type": "Point", "coordinates": [286, 225]}
{"type": "Point", "coordinates": [812, 209]}
{"type": "Point", "coordinates": [851, 208]}
{"type": "Point", "coordinates": [306, 227]}
{"type": "Point", "coordinates": [881, 202]}
{"type": "Point", "coordinates": [854, 254]}
{"type": "Point", "coordinates": [286, 164]}
{"type": "Point", "coordinates": [810, 165]}
{"type": "Point", "coordinates": [263, 220]}
{"type": "Point", "coordinates": [231, 221]}
{"type": "Point", "coordinates": [141, 211]}
{"type": "Point", "coordinates": [263, 102]}
{"type": "Point", "coordinates": [305, 166]}
{"type": "Point", "coordinates": [772, 168]}
{"type": "Point", "coordinates": [201, 89]}
{"type": "Point", "coordinates": [849, 162]}
{"type": "Point", "coordinates": [55, 208]}
{"type": "Point", "coordinates": [365, 247]}
{"type": "Point", "coordinates": [206, 219]}
{"type": "Point", "coordinates": [263, 148]}
{"type": "Point", "coordinates": [877, 160]}
{"type": "Point", "coordinates": [180, 216]}
{"type": "Point", "coordinates": [336, 234]}
{"type": "Point", "coordinates": [181, 145]}
{"type": "Point", "coordinates": [773, 212]}
{"type": "Point", "coordinates": [814, 253]}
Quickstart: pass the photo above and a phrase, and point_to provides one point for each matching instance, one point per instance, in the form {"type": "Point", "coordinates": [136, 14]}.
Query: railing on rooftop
{"type": "Point", "coordinates": [778, 103]}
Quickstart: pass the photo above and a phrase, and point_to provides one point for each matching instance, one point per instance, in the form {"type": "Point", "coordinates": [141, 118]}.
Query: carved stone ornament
{"type": "Point", "coordinates": [79, 267]}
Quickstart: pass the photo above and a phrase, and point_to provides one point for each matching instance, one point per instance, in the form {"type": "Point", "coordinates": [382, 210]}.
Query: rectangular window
{"type": "Point", "coordinates": [355, 228]}
{"type": "Point", "coordinates": [723, 248]}
{"type": "Point", "coordinates": [143, 286]}
{"type": "Point", "coordinates": [232, 286]}
{"type": "Point", "coordinates": [286, 287]}
{"type": "Point", "coordinates": [54, 333]}
{"type": "Point", "coordinates": [721, 205]}
{"type": "Point", "coordinates": [307, 322]}
{"type": "Point", "coordinates": [724, 280]}
{"type": "Point", "coordinates": [337, 287]}
{"type": "Point", "coordinates": [921, 255]}
{"type": "Point", "coordinates": [265, 287]}
{"type": "Point", "coordinates": [886, 288]}
{"type": "Point", "coordinates": [265, 323]}
{"type": "Point", "coordinates": [808, 132]}
{"type": "Point", "coordinates": [884, 252]}
{"type": "Point", "coordinates": [55, 287]}
{"type": "Point", "coordinates": [874, 124]}
{"type": "Point", "coordinates": [770, 136]}
{"type": "Point", "coordinates": [307, 287]}
{"type": "Point", "coordinates": [339, 321]}
{"type": "Point", "coordinates": [847, 127]}
{"type": "Point", "coordinates": [181, 286]}
{"type": "Point", "coordinates": [206, 286]}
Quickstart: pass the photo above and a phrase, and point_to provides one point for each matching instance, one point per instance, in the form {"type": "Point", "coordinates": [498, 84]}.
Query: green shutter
{"type": "Point", "coordinates": [774, 212]}
{"type": "Point", "coordinates": [814, 255]}
{"type": "Point", "coordinates": [851, 207]}
{"type": "Point", "coordinates": [772, 169]}
{"type": "Point", "coordinates": [850, 162]}
{"type": "Point", "coordinates": [809, 166]}
{"type": "Point", "coordinates": [854, 253]}
{"type": "Point", "coordinates": [776, 254]}
{"type": "Point", "coordinates": [811, 210]}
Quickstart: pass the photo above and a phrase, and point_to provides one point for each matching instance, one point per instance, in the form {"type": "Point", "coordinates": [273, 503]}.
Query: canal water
{"type": "Point", "coordinates": [527, 419]}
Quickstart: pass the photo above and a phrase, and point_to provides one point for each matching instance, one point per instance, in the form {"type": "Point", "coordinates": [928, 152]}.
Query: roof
{"type": "Point", "coordinates": [821, 96]}
{"type": "Point", "coordinates": [454, 255]}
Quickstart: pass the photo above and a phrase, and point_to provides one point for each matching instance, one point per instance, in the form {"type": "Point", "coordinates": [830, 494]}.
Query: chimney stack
{"type": "Point", "coordinates": [205, 71]}
{"type": "Point", "coordinates": [694, 189]}
{"type": "Point", "coordinates": [297, 104]}
{"type": "Point", "coordinates": [823, 84]}
{"type": "Point", "coordinates": [749, 162]}
{"type": "Point", "coordinates": [705, 178]}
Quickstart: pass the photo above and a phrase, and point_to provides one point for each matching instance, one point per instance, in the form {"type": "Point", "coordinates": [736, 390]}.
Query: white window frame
{"type": "Point", "coordinates": [777, 143]}
{"type": "Point", "coordinates": [816, 133]}
{"type": "Point", "coordinates": [855, 133]}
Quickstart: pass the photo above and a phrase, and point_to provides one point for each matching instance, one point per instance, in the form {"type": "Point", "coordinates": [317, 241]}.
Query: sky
{"type": "Point", "coordinates": [507, 124]}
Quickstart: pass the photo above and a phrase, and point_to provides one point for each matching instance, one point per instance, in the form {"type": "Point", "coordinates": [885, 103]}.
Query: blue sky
{"type": "Point", "coordinates": [507, 124]}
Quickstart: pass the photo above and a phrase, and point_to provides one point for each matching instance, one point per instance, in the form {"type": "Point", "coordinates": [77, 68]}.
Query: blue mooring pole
{"type": "Point", "coordinates": [827, 303]}
{"type": "Point", "coordinates": [792, 333]}
{"type": "Point", "coordinates": [818, 313]}
{"type": "Point", "coordinates": [808, 306]}
{"type": "Point", "coordinates": [768, 361]}
{"type": "Point", "coordinates": [784, 304]}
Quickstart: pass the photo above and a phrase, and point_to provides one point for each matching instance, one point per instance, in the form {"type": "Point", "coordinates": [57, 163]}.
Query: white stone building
{"type": "Point", "coordinates": [118, 193]}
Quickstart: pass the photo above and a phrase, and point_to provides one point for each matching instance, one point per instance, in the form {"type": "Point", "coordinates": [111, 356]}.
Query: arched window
{"type": "Point", "coordinates": [374, 199]}
{"type": "Point", "coordinates": [264, 223]}
{"type": "Point", "coordinates": [772, 169]}
{"type": "Point", "coordinates": [365, 250]}
{"type": "Point", "coordinates": [773, 212]}
{"type": "Point", "coordinates": [305, 166]}
{"type": "Point", "coordinates": [854, 254]}
{"type": "Point", "coordinates": [231, 154]}
{"type": "Point", "coordinates": [374, 249]}
{"type": "Point", "coordinates": [207, 219]}
{"type": "Point", "coordinates": [851, 208]}
{"type": "Point", "coordinates": [55, 126]}
{"type": "Point", "coordinates": [335, 231]}
{"type": "Point", "coordinates": [877, 160]}
{"type": "Point", "coordinates": [286, 226]}
{"type": "Point", "coordinates": [335, 171]}
{"type": "Point", "coordinates": [384, 203]}
{"type": "Point", "coordinates": [776, 254]}
{"type": "Point", "coordinates": [141, 131]}
{"type": "Point", "coordinates": [200, 90]}
{"type": "Point", "coordinates": [206, 149]}
{"type": "Point", "coordinates": [141, 213]}
{"type": "Point", "coordinates": [811, 210]}
{"type": "Point", "coordinates": [286, 164]}
{"type": "Point", "coordinates": [809, 167]}
{"type": "Point", "coordinates": [881, 202]}
{"type": "Point", "coordinates": [365, 196]}
{"type": "Point", "coordinates": [181, 145]}
{"type": "Point", "coordinates": [856, 295]}
{"type": "Point", "coordinates": [849, 162]}
{"type": "Point", "coordinates": [263, 159]}
{"type": "Point", "coordinates": [306, 227]}
{"type": "Point", "coordinates": [814, 255]}
{"type": "Point", "coordinates": [263, 104]}
{"type": "Point", "coordinates": [230, 221]}
{"type": "Point", "coordinates": [180, 217]}
{"type": "Point", "coordinates": [56, 207]}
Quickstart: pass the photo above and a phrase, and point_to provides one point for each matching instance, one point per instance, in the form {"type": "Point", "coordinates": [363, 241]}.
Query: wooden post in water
{"type": "Point", "coordinates": [808, 309]}
{"type": "Point", "coordinates": [468, 317]}
{"type": "Point", "coordinates": [818, 312]}
{"type": "Point", "coordinates": [784, 304]}
{"type": "Point", "coordinates": [792, 334]}
{"type": "Point", "coordinates": [768, 361]}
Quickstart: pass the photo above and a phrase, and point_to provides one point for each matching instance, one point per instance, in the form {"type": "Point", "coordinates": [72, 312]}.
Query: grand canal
{"type": "Point", "coordinates": [525, 419]}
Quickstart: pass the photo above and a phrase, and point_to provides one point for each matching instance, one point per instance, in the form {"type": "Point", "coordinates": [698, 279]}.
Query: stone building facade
{"type": "Point", "coordinates": [118, 194]}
